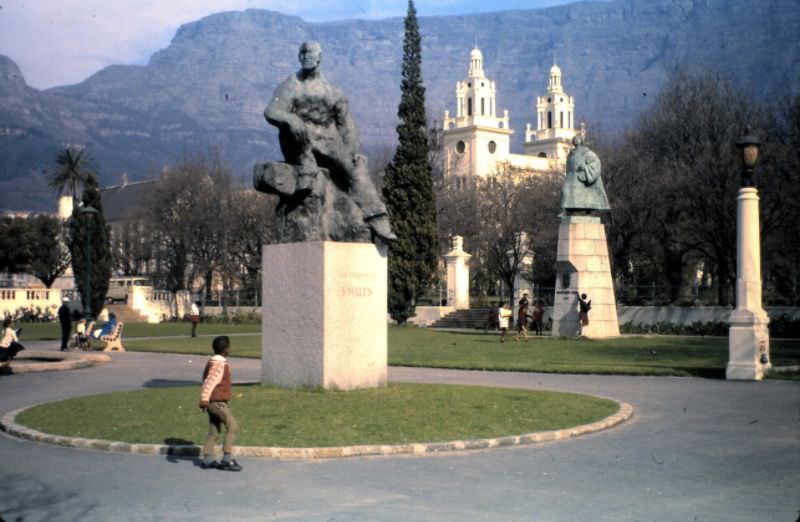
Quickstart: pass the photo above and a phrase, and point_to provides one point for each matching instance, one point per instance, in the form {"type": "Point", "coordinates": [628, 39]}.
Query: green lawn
{"type": "Point", "coordinates": [409, 346]}
{"type": "Point", "coordinates": [652, 355]}
{"type": "Point", "coordinates": [655, 355]}
{"type": "Point", "coordinates": [400, 413]}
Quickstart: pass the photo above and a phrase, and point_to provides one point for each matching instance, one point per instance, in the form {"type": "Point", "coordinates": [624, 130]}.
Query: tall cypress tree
{"type": "Point", "coordinates": [408, 188]}
{"type": "Point", "coordinates": [99, 247]}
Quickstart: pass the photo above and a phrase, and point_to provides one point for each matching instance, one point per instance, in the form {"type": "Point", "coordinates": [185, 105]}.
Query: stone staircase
{"type": "Point", "coordinates": [126, 314]}
{"type": "Point", "coordinates": [473, 318]}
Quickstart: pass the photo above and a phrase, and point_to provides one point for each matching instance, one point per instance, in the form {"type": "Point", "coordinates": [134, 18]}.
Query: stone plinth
{"type": "Point", "coordinates": [584, 268]}
{"type": "Point", "coordinates": [324, 315]}
{"type": "Point", "coordinates": [457, 275]}
{"type": "Point", "coordinates": [748, 340]}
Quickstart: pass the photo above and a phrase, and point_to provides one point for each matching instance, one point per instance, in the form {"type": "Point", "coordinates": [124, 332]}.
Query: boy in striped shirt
{"type": "Point", "coordinates": [214, 397]}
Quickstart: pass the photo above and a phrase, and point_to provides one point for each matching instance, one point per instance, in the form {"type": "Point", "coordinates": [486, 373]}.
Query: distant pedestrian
{"type": "Point", "coordinates": [504, 315]}
{"type": "Point", "coordinates": [538, 316]}
{"type": "Point", "coordinates": [65, 318]}
{"type": "Point", "coordinates": [522, 318]}
{"type": "Point", "coordinates": [194, 317]}
{"type": "Point", "coordinates": [491, 321]}
{"type": "Point", "coordinates": [584, 305]}
{"type": "Point", "coordinates": [215, 394]}
{"type": "Point", "coordinates": [9, 345]}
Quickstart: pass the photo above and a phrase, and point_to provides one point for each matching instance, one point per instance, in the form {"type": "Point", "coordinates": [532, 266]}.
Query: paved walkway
{"type": "Point", "coordinates": [696, 450]}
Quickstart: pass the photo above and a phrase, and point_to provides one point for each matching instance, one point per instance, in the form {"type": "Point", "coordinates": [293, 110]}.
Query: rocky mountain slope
{"type": "Point", "coordinates": [208, 88]}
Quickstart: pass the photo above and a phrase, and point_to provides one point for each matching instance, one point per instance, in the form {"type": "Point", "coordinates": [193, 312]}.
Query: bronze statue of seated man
{"type": "Point", "coordinates": [323, 172]}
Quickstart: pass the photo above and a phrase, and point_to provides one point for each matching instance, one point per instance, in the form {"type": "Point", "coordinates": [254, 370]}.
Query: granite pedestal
{"type": "Point", "coordinates": [324, 315]}
{"type": "Point", "coordinates": [583, 268]}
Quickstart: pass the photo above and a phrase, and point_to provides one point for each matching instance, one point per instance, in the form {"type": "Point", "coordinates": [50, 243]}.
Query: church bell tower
{"type": "Point", "coordinates": [476, 139]}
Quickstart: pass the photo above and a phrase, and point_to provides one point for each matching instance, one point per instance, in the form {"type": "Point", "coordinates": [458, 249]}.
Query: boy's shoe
{"type": "Point", "coordinates": [229, 465]}
{"type": "Point", "coordinates": [209, 465]}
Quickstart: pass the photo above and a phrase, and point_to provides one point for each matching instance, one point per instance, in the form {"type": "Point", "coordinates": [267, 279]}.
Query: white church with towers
{"type": "Point", "coordinates": [477, 141]}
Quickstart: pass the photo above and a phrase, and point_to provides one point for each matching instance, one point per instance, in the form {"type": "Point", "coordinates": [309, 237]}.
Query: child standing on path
{"type": "Point", "coordinates": [214, 397]}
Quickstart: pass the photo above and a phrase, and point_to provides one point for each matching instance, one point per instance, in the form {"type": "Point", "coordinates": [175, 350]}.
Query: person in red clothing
{"type": "Point", "coordinates": [214, 397]}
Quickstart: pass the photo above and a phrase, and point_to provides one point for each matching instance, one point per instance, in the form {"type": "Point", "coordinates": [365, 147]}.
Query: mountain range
{"type": "Point", "coordinates": [207, 90]}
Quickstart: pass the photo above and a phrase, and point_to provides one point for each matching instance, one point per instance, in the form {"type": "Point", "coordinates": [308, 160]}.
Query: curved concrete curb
{"type": "Point", "coordinates": [9, 425]}
{"type": "Point", "coordinates": [60, 361]}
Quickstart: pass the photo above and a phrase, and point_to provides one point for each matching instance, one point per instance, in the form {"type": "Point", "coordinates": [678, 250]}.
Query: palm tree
{"type": "Point", "coordinates": [72, 170]}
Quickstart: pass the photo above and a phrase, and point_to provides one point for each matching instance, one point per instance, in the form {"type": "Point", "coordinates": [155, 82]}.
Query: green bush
{"type": "Point", "coordinates": [716, 328]}
{"type": "Point", "coordinates": [780, 328]}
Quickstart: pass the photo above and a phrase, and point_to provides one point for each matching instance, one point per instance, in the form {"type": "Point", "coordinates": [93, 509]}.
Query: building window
{"type": "Point", "coordinates": [542, 155]}
{"type": "Point", "coordinates": [469, 106]}
{"type": "Point", "coordinates": [562, 119]}
{"type": "Point", "coordinates": [549, 119]}
{"type": "Point", "coordinates": [492, 147]}
{"type": "Point", "coordinates": [460, 147]}
{"type": "Point", "coordinates": [483, 107]}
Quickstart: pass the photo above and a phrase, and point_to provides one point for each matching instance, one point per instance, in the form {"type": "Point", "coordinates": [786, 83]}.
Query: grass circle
{"type": "Point", "coordinates": [268, 416]}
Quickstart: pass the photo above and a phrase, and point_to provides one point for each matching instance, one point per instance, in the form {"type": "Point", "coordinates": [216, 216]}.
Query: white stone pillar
{"type": "Point", "coordinates": [457, 275]}
{"type": "Point", "coordinates": [324, 315]}
{"type": "Point", "coordinates": [748, 340]}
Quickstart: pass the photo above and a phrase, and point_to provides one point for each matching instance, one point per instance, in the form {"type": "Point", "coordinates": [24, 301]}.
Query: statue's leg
{"type": "Point", "coordinates": [353, 171]}
{"type": "Point", "coordinates": [352, 167]}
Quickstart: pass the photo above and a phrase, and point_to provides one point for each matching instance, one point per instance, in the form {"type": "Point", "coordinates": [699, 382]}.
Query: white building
{"type": "Point", "coordinates": [477, 142]}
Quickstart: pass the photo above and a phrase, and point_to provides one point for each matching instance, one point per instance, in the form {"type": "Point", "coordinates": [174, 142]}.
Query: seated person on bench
{"type": "Point", "coordinates": [107, 328]}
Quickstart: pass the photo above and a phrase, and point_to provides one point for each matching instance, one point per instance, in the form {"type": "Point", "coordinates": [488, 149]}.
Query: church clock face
{"type": "Point", "coordinates": [460, 147]}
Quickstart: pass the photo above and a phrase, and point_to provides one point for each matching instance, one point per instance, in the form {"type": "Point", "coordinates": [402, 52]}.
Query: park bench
{"type": "Point", "coordinates": [114, 340]}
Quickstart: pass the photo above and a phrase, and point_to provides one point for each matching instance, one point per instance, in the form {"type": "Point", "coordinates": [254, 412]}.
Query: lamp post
{"type": "Point", "coordinates": [748, 340]}
{"type": "Point", "coordinates": [88, 212]}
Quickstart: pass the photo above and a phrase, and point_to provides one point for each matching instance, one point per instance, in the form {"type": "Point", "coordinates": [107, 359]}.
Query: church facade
{"type": "Point", "coordinates": [476, 142]}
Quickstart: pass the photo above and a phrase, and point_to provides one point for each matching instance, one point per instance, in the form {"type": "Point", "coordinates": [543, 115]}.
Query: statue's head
{"type": "Point", "coordinates": [577, 140]}
{"type": "Point", "coordinates": [310, 55]}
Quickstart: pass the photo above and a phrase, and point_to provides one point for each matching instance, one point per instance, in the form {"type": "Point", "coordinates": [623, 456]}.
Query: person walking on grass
{"type": "Point", "coordinates": [522, 319]}
{"type": "Point", "coordinates": [504, 314]}
{"type": "Point", "coordinates": [491, 321]}
{"type": "Point", "coordinates": [214, 397]}
{"type": "Point", "coordinates": [538, 316]}
{"type": "Point", "coordinates": [194, 316]}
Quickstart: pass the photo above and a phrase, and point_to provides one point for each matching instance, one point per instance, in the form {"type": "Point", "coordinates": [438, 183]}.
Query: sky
{"type": "Point", "coordinates": [61, 42]}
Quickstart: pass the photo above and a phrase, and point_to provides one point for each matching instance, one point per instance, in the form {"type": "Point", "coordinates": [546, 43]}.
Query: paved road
{"type": "Point", "coordinates": [696, 450]}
